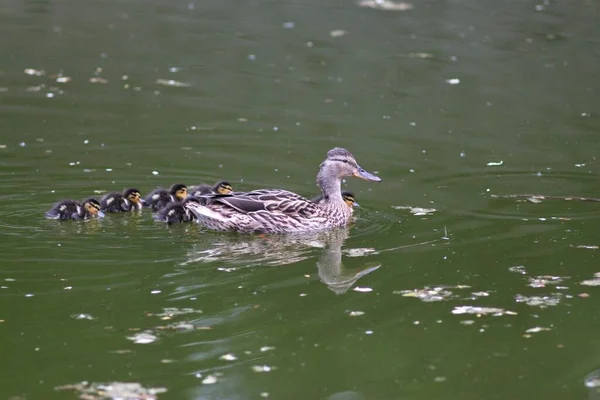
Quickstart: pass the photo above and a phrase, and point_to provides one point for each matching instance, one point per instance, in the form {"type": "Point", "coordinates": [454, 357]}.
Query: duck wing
{"type": "Point", "coordinates": [266, 200]}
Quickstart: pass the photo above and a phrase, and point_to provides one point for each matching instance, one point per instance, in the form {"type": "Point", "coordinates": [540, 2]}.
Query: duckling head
{"type": "Point", "coordinates": [133, 195]}
{"type": "Point", "coordinates": [349, 199]}
{"type": "Point", "coordinates": [93, 207]}
{"type": "Point", "coordinates": [223, 187]}
{"type": "Point", "coordinates": [341, 163]}
{"type": "Point", "coordinates": [179, 190]}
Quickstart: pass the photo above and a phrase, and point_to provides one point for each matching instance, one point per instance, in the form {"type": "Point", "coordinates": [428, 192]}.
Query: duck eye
{"type": "Point", "coordinates": [345, 161]}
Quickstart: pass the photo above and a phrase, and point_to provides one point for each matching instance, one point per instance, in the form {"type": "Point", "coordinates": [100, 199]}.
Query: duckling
{"type": "Point", "coordinates": [69, 209]}
{"type": "Point", "coordinates": [348, 198]}
{"type": "Point", "coordinates": [160, 198]}
{"type": "Point", "coordinates": [221, 187]}
{"type": "Point", "coordinates": [129, 200]}
{"type": "Point", "coordinates": [177, 212]}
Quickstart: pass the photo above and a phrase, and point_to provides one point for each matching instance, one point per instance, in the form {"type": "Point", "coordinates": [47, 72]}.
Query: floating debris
{"type": "Point", "coordinates": [482, 311]}
{"type": "Point", "coordinates": [63, 79]}
{"type": "Point", "coordinates": [583, 246]}
{"type": "Point", "coordinates": [114, 390]}
{"type": "Point", "coordinates": [262, 368]}
{"type": "Point", "coordinates": [543, 280]}
{"type": "Point", "coordinates": [172, 83]}
{"type": "Point", "coordinates": [363, 289]}
{"type": "Point", "coordinates": [356, 313]}
{"type": "Point", "coordinates": [386, 5]}
{"type": "Point", "coordinates": [520, 269]}
{"type": "Point", "coordinates": [143, 338]}
{"type": "Point", "coordinates": [267, 348]}
{"type": "Point", "coordinates": [98, 79]}
{"type": "Point", "coordinates": [427, 294]}
{"type": "Point", "coordinates": [592, 282]}
{"type": "Point", "coordinates": [228, 357]}
{"type": "Point", "coordinates": [453, 81]}
{"type": "Point", "coordinates": [421, 55]}
{"type": "Point", "coordinates": [170, 312]}
{"type": "Point", "coordinates": [337, 33]}
{"type": "Point", "coordinates": [82, 316]}
{"type": "Point", "coordinates": [540, 301]}
{"type": "Point", "coordinates": [209, 380]}
{"type": "Point", "coordinates": [359, 252]}
{"type": "Point", "coordinates": [416, 210]}
{"type": "Point", "coordinates": [537, 329]}
{"type": "Point", "coordinates": [495, 163]}
{"type": "Point", "coordinates": [179, 326]}
{"type": "Point", "coordinates": [34, 72]}
{"type": "Point", "coordinates": [223, 269]}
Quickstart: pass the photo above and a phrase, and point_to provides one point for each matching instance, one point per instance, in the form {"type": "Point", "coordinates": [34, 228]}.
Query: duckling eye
{"type": "Point", "coordinates": [345, 161]}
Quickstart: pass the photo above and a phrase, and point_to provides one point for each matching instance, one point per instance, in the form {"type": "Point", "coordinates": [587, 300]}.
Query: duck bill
{"type": "Point", "coordinates": [100, 214]}
{"type": "Point", "coordinates": [355, 204]}
{"type": "Point", "coordinates": [367, 176]}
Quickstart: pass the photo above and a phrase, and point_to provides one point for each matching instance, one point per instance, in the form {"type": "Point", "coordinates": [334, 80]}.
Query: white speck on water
{"type": "Point", "coordinates": [59, 244]}
{"type": "Point", "coordinates": [412, 171]}
{"type": "Point", "coordinates": [539, 7]}
{"type": "Point", "coordinates": [309, 44]}
{"type": "Point", "coordinates": [584, 114]}
{"type": "Point", "coordinates": [356, 313]}
{"type": "Point", "coordinates": [10, 279]}
{"type": "Point", "coordinates": [264, 394]}
{"type": "Point", "coordinates": [22, 144]}
{"type": "Point", "coordinates": [275, 128]}
{"type": "Point", "coordinates": [261, 368]}
{"type": "Point", "coordinates": [289, 25]}
{"type": "Point", "coordinates": [267, 348]}
{"type": "Point", "coordinates": [68, 287]}
{"type": "Point", "coordinates": [303, 294]}
{"type": "Point", "coordinates": [368, 332]}
{"type": "Point", "coordinates": [142, 338]}
{"type": "Point", "coordinates": [453, 81]}
{"type": "Point", "coordinates": [174, 69]}
{"type": "Point", "coordinates": [337, 33]}
{"type": "Point", "coordinates": [495, 163]}
{"type": "Point", "coordinates": [228, 357]}
{"type": "Point", "coordinates": [86, 141]}
{"type": "Point", "coordinates": [412, 123]}
{"type": "Point", "coordinates": [416, 322]}
{"type": "Point", "coordinates": [539, 173]}
{"type": "Point", "coordinates": [193, 298]}
{"type": "Point", "coordinates": [155, 292]}
{"type": "Point", "coordinates": [363, 289]}
{"type": "Point", "coordinates": [463, 154]}
{"type": "Point", "coordinates": [209, 380]}
{"type": "Point", "coordinates": [198, 375]}
{"type": "Point", "coordinates": [29, 295]}
{"type": "Point", "coordinates": [82, 316]}
{"type": "Point", "coordinates": [580, 165]}
{"type": "Point", "coordinates": [440, 379]}
{"type": "Point", "coordinates": [108, 169]}
{"type": "Point", "coordinates": [49, 95]}
{"type": "Point", "coordinates": [251, 57]}
{"type": "Point", "coordinates": [154, 172]}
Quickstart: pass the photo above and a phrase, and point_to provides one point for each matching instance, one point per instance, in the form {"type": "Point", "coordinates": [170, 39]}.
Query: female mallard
{"type": "Point", "coordinates": [280, 211]}
{"type": "Point", "coordinates": [348, 198]}
{"type": "Point", "coordinates": [177, 212]}
{"type": "Point", "coordinates": [129, 200]}
{"type": "Point", "coordinates": [160, 198]}
{"type": "Point", "coordinates": [69, 209]}
{"type": "Point", "coordinates": [221, 187]}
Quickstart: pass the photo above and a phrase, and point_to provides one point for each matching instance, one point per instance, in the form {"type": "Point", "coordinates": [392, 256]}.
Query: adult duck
{"type": "Point", "coordinates": [281, 211]}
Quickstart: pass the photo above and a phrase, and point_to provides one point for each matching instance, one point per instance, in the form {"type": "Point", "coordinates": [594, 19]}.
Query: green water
{"type": "Point", "coordinates": [256, 93]}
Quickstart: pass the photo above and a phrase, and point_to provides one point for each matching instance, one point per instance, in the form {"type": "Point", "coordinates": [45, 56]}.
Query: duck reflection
{"type": "Point", "coordinates": [277, 250]}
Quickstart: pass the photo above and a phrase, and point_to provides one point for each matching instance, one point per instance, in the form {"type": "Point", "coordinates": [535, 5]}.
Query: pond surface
{"type": "Point", "coordinates": [444, 286]}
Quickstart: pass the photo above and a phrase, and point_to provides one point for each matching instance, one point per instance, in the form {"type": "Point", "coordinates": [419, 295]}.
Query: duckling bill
{"type": "Point", "coordinates": [129, 200]}
{"type": "Point", "coordinates": [348, 198]}
{"type": "Point", "coordinates": [73, 210]}
{"type": "Point", "coordinates": [160, 198]}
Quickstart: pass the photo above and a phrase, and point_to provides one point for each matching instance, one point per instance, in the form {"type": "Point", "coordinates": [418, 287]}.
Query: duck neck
{"type": "Point", "coordinates": [330, 185]}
